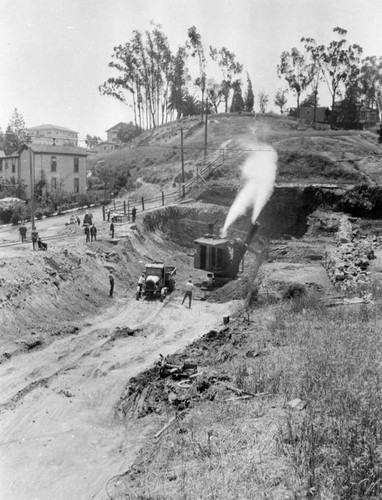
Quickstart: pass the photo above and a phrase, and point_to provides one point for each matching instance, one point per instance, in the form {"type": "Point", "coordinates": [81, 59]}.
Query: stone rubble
{"type": "Point", "coordinates": [347, 264]}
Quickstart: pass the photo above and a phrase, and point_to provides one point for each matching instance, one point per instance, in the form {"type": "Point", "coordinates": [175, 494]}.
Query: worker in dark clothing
{"type": "Point", "coordinates": [41, 245]}
{"type": "Point", "coordinates": [133, 214]}
{"type": "Point", "coordinates": [34, 238]}
{"type": "Point", "coordinates": [93, 233]}
{"type": "Point", "coordinates": [112, 229]}
{"type": "Point", "coordinates": [111, 281]}
{"type": "Point", "coordinates": [23, 233]}
{"type": "Point", "coordinates": [87, 232]}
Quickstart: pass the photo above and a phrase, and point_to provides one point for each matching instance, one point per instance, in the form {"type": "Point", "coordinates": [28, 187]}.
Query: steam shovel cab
{"type": "Point", "coordinates": [221, 257]}
{"type": "Point", "coordinates": [159, 280]}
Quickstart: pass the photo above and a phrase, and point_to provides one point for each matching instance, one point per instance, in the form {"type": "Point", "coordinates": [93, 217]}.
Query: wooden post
{"type": "Point", "coordinates": [103, 212]}
{"type": "Point", "coordinates": [124, 207]}
{"type": "Point", "coordinates": [32, 175]}
{"type": "Point", "coordinates": [143, 204]}
{"type": "Point", "coordinates": [128, 210]}
{"type": "Point", "coordinates": [182, 158]}
{"type": "Point", "coordinates": [162, 198]}
{"type": "Point", "coordinates": [205, 130]}
{"type": "Point", "coordinates": [114, 205]}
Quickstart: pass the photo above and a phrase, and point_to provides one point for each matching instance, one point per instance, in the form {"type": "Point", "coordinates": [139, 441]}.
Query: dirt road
{"type": "Point", "coordinates": [60, 438]}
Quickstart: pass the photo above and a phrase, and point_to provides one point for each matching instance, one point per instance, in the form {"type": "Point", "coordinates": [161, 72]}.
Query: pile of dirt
{"type": "Point", "coordinates": [180, 380]}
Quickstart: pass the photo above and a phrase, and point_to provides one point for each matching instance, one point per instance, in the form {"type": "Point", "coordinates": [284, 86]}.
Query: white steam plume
{"type": "Point", "coordinates": [259, 174]}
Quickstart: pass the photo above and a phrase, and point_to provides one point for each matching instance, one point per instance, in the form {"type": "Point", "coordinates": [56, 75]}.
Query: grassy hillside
{"type": "Point", "coordinates": [306, 155]}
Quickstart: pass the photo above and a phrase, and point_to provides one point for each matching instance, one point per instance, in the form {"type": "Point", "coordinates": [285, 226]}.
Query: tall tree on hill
{"type": "Point", "coordinates": [263, 101]}
{"type": "Point", "coordinates": [128, 82]}
{"type": "Point", "coordinates": [370, 82]}
{"type": "Point", "coordinates": [296, 71]}
{"type": "Point", "coordinates": [178, 86]}
{"type": "Point", "coordinates": [340, 64]}
{"type": "Point", "coordinates": [281, 99]}
{"type": "Point", "coordinates": [214, 94]}
{"type": "Point", "coordinates": [229, 68]}
{"type": "Point", "coordinates": [314, 53]}
{"type": "Point", "coordinates": [145, 66]}
{"type": "Point", "coordinates": [197, 51]}
{"type": "Point", "coordinates": [160, 70]}
{"type": "Point", "coordinates": [237, 105]}
{"type": "Point", "coordinates": [249, 99]}
{"type": "Point", "coordinates": [16, 133]}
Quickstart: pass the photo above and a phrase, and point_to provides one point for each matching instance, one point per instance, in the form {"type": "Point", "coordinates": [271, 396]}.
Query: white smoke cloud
{"type": "Point", "coordinates": [259, 174]}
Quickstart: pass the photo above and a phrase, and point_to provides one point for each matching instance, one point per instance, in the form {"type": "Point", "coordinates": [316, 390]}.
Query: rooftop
{"type": "Point", "coordinates": [49, 126]}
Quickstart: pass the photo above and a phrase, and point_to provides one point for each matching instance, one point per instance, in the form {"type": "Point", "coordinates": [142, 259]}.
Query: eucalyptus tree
{"type": "Point", "coordinates": [229, 67]}
{"type": "Point", "coordinates": [214, 94]}
{"type": "Point", "coordinates": [178, 82]}
{"type": "Point", "coordinates": [127, 84]}
{"type": "Point", "coordinates": [145, 67]}
{"type": "Point", "coordinates": [314, 52]}
{"type": "Point", "coordinates": [370, 82]}
{"type": "Point", "coordinates": [340, 64]}
{"type": "Point", "coordinates": [281, 99]}
{"type": "Point", "coordinates": [195, 45]}
{"type": "Point", "coordinates": [296, 71]}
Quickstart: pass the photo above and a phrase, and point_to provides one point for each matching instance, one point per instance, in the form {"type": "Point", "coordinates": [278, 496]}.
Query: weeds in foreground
{"type": "Point", "coordinates": [254, 449]}
{"type": "Point", "coordinates": [337, 443]}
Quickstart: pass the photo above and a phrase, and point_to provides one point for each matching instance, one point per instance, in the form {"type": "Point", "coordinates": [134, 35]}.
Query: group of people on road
{"type": "Point", "coordinates": [90, 233]}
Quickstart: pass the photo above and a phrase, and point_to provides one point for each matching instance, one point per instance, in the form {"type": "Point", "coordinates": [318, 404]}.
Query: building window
{"type": "Point", "coordinates": [13, 167]}
{"type": "Point", "coordinates": [1, 166]}
{"type": "Point", "coordinates": [362, 115]}
{"type": "Point", "coordinates": [76, 185]}
{"type": "Point", "coordinates": [53, 164]}
{"type": "Point", "coordinates": [76, 165]}
{"type": "Point", "coordinates": [53, 183]}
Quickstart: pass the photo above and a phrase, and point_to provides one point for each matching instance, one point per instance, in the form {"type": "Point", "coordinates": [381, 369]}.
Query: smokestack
{"type": "Point", "coordinates": [251, 233]}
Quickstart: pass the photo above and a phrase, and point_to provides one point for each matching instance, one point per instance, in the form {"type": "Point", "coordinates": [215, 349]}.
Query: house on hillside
{"type": "Point", "coordinates": [322, 114]}
{"type": "Point", "coordinates": [344, 115]}
{"type": "Point", "coordinates": [105, 147]}
{"type": "Point", "coordinates": [53, 134]}
{"type": "Point", "coordinates": [9, 167]}
{"type": "Point", "coordinates": [355, 116]}
{"type": "Point", "coordinates": [56, 167]}
{"type": "Point", "coordinates": [112, 133]}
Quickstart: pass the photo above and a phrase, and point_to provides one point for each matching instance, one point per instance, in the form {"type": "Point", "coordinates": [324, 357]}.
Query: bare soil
{"type": "Point", "coordinates": [66, 364]}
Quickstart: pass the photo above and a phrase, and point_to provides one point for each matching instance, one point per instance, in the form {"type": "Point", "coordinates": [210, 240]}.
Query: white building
{"type": "Point", "coordinates": [53, 134]}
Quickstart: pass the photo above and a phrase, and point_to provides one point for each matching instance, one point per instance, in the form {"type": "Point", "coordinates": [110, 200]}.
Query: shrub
{"type": "Point", "coordinates": [362, 200]}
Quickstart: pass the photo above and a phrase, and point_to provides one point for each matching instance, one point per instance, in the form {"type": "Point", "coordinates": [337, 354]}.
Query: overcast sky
{"type": "Point", "coordinates": [55, 53]}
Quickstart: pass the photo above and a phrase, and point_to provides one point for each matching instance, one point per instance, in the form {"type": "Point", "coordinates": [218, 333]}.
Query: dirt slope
{"type": "Point", "coordinates": [306, 153]}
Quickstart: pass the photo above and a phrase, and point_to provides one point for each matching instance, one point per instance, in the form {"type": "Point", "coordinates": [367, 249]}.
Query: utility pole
{"type": "Point", "coordinates": [205, 129]}
{"type": "Point", "coordinates": [32, 174]}
{"type": "Point", "coordinates": [182, 159]}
